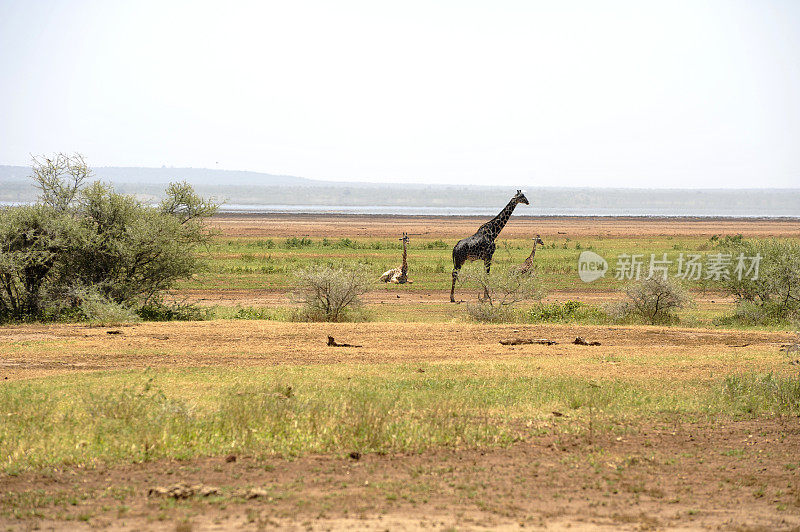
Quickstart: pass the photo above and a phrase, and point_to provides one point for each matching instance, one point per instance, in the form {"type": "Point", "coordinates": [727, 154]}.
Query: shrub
{"type": "Point", "coordinates": [774, 295]}
{"type": "Point", "coordinates": [35, 242]}
{"type": "Point", "coordinates": [435, 244]}
{"type": "Point", "coordinates": [260, 313]}
{"type": "Point", "coordinates": [346, 243]}
{"type": "Point", "coordinates": [132, 253]}
{"type": "Point", "coordinates": [749, 313]}
{"type": "Point", "coordinates": [485, 312]}
{"type": "Point", "coordinates": [297, 243]}
{"type": "Point", "coordinates": [159, 310]}
{"type": "Point", "coordinates": [97, 308]}
{"type": "Point", "coordinates": [79, 240]}
{"type": "Point", "coordinates": [502, 290]}
{"type": "Point", "coordinates": [566, 312]}
{"type": "Point", "coordinates": [655, 300]}
{"type": "Point", "coordinates": [268, 244]}
{"type": "Point", "coordinates": [329, 293]}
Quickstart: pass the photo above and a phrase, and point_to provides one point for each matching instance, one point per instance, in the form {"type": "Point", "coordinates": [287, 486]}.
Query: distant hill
{"type": "Point", "coordinates": [164, 175]}
{"type": "Point", "coordinates": [257, 191]}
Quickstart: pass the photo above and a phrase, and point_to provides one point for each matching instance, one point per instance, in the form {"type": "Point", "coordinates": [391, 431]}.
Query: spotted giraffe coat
{"type": "Point", "coordinates": [481, 246]}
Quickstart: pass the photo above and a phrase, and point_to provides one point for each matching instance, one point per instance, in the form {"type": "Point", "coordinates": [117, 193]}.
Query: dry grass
{"type": "Point", "coordinates": [39, 350]}
{"type": "Point", "coordinates": [272, 388]}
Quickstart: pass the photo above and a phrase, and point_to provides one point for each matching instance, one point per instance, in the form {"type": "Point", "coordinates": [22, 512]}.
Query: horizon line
{"type": "Point", "coordinates": [420, 184]}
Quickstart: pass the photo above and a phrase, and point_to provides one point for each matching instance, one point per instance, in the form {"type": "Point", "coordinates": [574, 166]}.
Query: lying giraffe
{"type": "Point", "coordinates": [398, 275]}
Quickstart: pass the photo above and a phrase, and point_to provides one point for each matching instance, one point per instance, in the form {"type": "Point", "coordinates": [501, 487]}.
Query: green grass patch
{"type": "Point", "coordinates": [754, 393]}
{"type": "Point", "coordinates": [240, 263]}
{"type": "Point", "coordinates": [566, 312]}
{"type": "Point", "coordinates": [247, 264]}
{"type": "Point", "coordinates": [133, 416]}
{"type": "Point", "coordinates": [253, 313]}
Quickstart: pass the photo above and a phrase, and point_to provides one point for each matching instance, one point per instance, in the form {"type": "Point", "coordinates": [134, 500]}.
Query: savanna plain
{"type": "Point", "coordinates": [248, 419]}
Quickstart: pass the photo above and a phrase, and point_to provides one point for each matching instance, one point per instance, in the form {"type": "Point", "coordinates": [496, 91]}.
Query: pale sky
{"type": "Point", "coordinates": [560, 93]}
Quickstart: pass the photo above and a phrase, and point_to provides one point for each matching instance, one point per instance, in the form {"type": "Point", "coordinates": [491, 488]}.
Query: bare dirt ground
{"type": "Point", "coordinates": [381, 226]}
{"type": "Point", "coordinates": [282, 298]}
{"type": "Point", "coordinates": [738, 476]}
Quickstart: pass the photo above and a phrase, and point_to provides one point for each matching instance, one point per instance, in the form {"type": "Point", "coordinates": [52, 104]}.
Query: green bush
{"type": "Point", "coordinates": [655, 301]}
{"type": "Point", "coordinates": [749, 313]}
{"type": "Point", "coordinates": [774, 296]}
{"type": "Point", "coordinates": [36, 244]}
{"type": "Point", "coordinates": [266, 244]}
{"type": "Point", "coordinates": [346, 243]}
{"type": "Point", "coordinates": [158, 310]}
{"type": "Point", "coordinates": [330, 293]}
{"type": "Point", "coordinates": [435, 244]}
{"type": "Point", "coordinates": [297, 243]}
{"type": "Point", "coordinates": [566, 312]}
{"type": "Point", "coordinates": [96, 308]}
{"type": "Point", "coordinates": [261, 313]}
{"type": "Point", "coordinates": [79, 239]}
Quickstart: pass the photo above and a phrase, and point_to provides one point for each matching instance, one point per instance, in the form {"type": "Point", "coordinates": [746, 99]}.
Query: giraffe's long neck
{"type": "Point", "coordinates": [529, 260]}
{"type": "Point", "coordinates": [404, 267]}
{"type": "Point", "coordinates": [493, 227]}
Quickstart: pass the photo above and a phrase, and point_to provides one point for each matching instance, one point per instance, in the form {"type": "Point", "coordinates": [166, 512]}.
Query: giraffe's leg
{"type": "Point", "coordinates": [488, 264]}
{"type": "Point", "coordinates": [460, 255]}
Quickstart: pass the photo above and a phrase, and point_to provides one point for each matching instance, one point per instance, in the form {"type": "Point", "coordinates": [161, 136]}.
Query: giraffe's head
{"type": "Point", "coordinates": [538, 240]}
{"type": "Point", "coordinates": [404, 239]}
{"type": "Point", "coordinates": [519, 197]}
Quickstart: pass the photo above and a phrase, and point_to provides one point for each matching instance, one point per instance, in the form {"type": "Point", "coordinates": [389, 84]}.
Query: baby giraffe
{"type": "Point", "coordinates": [526, 266]}
{"type": "Point", "coordinates": [398, 275]}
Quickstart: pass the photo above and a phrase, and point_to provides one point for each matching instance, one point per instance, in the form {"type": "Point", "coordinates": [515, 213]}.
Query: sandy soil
{"type": "Point", "coordinates": [379, 226]}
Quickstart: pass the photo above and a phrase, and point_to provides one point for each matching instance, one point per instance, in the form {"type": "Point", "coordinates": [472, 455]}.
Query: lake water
{"type": "Point", "coordinates": [722, 211]}
{"type": "Point", "coordinates": [520, 211]}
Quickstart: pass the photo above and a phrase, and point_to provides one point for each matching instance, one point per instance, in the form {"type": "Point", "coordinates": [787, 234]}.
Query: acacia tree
{"type": "Point", "coordinates": [80, 238]}
{"type": "Point", "coordinates": [34, 240]}
{"type": "Point", "coordinates": [132, 252]}
{"type": "Point", "coordinates": [60, 178]}
{"type": "Point", "coordinates": [773, 292]}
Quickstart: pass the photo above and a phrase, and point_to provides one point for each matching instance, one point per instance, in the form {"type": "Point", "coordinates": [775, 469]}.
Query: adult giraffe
{"type": "Point", "coordinates": [481, 246]}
